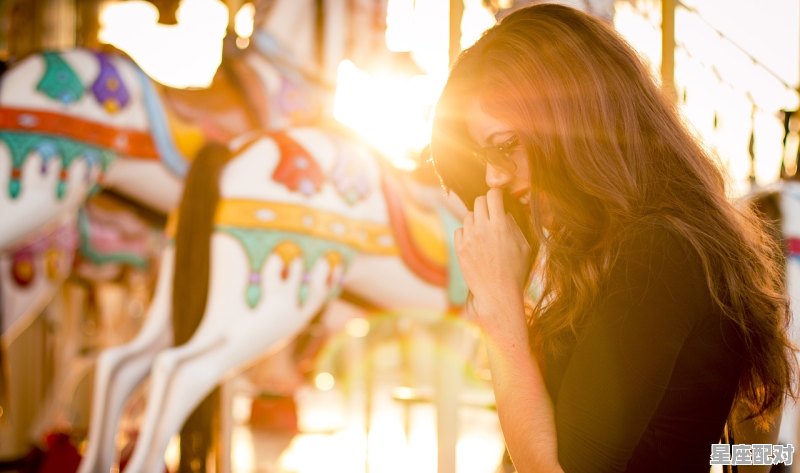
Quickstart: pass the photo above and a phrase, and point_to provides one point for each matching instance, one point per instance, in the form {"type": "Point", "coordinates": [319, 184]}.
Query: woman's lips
{"type": "Point", "coordinates": [523, 196]}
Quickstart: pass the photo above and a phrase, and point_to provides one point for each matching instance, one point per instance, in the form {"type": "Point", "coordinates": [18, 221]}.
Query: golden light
{"type": "Point", "coordinates": [400, 25]}
{"type": "Point", "coordinates": [732, 82]}
{"type": "Point", "coordinates": [391, 112]}
{"type": "Point", "coordinates": [243, 457]}
{"type": "Point", "coordinates": [324, 381]}
{"type": "Point", "coordinates": [186, 54]}
{"type": "Point", "coordinates": [243, 24]}
{"type": "Point", "coordinates": [357, 328]}
{"type": "Point", "coordinates": [475, 21]}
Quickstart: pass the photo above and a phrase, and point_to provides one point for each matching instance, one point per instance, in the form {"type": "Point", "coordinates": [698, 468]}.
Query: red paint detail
{"type": "Point", "coordinates": [793, 246]}
{"type": "Point", "coordinates": [127, 141]}
{"type": "Point", "coordinates": [296, 164]}
{"type": "Point", "coordinates": [412, 256]}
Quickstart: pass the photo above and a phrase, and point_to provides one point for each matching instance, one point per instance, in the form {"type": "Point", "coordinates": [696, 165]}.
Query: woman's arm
{"type": "Point", "coordinates": [495, 261]}
{"type": "Point", "coordinates": [523, 405]}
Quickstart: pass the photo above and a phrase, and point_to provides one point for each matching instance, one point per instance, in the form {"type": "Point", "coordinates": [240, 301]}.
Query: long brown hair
{"type": "Point", "coordinates": [610, 152]}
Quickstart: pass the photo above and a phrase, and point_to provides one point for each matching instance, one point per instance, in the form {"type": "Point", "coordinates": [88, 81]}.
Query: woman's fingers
{"type": "Point", "coordinates": [494, 203]}
{"type": "Point", "coordinates": [480, 210]}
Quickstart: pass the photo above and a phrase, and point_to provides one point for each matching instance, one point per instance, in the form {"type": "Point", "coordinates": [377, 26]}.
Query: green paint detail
{"type": "Point", "coordinates": [303, 295]}
{"type": "Point", "coordinates": [60, 82]}
{"type": "Point", "coordinates": [22, 145]}
{"type": "Point", "coordinates": [456, 286]}
{"type": "Point", "coordinates": [258, 244]}
{"type": "Point", "coordinates": [14, 188]}
{"type": "Point", "coordinates": [69, 150]}
{"type": "Point", "coordinates": [86, 249]}
{"type": "Point", "coordinates": [61, 189]}
{"type": "Point", "coordinates": [253, 295]}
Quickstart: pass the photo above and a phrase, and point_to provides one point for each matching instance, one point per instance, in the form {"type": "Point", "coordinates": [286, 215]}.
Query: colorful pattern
{"type": "Point", "coordinates": [296, 170]}
{"type": "Point", "coordinates": [258, 244]}
{"type": "Point", "coordinates": [102, 245]}
{"type": "Point", "coordinates": [108, 88]}
{"type": "Point", "coordinates": [59, 82]}
{"type": "Point", "coordinates": [23, 145]}
{"type": "Point", "coordinates": [125, 141]}
{"type": "Point", "coordinates": [297, 103]}
{"type": "Point", "coordinates": [350, 178]}
{"type": "Point", "coordinates": [366, 237]}
{"type": "Point", "coordinates": [293, 231]}
{"type": "Point", "coordinates": [52, 246]}
{"type": "Point", "coordinates": [420, 240]}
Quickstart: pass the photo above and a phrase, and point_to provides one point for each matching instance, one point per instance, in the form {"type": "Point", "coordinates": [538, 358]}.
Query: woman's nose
{"type": "Point", "coordinates": [496, 177]}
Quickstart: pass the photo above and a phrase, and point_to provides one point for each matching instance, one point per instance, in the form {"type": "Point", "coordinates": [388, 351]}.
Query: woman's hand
{"type": "Point", "coordinates": [495, 261]}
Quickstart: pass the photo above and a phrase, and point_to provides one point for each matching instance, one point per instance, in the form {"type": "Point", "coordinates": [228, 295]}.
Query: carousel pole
{"type": "Point", "coordinates": [456, 15]}
{"type": "Point", "coordinates": [448, 381]}
{"type": "Point", "coordinates": [668, 48]}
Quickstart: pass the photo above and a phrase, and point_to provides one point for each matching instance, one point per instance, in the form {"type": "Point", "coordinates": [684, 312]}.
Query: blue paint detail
{"type": "Point", "coordinates": [172, 158]}
{"type": "Point", "coordinates": [47, 149]}
{"type": "Point", "coordinates": [456, 286]}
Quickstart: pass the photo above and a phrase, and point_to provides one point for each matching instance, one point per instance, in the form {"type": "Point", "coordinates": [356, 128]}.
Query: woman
{"type": "Point", "coordinates": [662, 304]}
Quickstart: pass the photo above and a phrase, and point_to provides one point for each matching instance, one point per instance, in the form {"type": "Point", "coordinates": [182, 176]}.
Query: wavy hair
{"type": "Point", "coordinates": [610, 152]}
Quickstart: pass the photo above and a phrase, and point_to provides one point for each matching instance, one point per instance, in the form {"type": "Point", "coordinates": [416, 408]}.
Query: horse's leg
{"type": "Point", "coordinates": [231, 334]}
{"type": "Point", "coordinates": [120, 369]}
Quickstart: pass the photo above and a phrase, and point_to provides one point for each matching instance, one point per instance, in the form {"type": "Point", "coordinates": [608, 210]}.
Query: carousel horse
{"type": "Point", "coordinates": [85, 132]}
{"type": "Point", "coordinates": [70, 122]}
{"type": "Point", "coordinates": [121, 368]}
{"type": "Point", "coordinates": [299, 215]}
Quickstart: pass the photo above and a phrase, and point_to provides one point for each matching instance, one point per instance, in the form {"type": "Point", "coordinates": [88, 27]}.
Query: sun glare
{"type": "Point", "coordinates": [391, 112]}
{"type": "Point", "coordinates": [183, 55]}
{"type": "Point", "coordinates": [394, 112]}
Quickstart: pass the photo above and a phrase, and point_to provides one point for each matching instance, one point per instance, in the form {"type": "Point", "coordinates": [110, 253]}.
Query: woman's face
{"type": "Point", "coordinates": [498, 146]}
{"type": "Point", "coordinates": [506, 161]}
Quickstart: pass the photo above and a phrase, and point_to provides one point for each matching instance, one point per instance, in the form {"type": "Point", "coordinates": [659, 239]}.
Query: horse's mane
{"type": "Point", "coordinates": [192, 275]}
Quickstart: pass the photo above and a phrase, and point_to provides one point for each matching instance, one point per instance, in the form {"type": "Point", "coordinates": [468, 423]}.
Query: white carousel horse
{"type": "Point", "coordinates": [301, 214]}
{"type": "Point", "coordinates": [121, 368]}
{"type": "Point", "coordinates": [69, 121]}
{"type": "Point", "coordinates": [66, 128]}
{"type": "Point", "coordinates": [68, 118]}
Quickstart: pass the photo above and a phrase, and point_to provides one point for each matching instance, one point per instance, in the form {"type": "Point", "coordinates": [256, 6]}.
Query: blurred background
{"type": "Point", "coordinates": [362, 388]}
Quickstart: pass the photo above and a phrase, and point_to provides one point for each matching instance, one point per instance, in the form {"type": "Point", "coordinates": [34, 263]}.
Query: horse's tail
{"type": "Point", "coordinates": [190, 284]}
{"type": "Point", "coordinates": [193, 240]}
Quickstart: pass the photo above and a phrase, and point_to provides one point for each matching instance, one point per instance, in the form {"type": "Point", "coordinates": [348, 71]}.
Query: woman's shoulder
{"type": "Point", "coordinates": [656, 240]}
{"type": "Point", "coordinates": [651, 252]}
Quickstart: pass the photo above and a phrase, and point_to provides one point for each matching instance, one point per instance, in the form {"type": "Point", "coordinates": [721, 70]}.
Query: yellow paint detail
{"type": "Point", "coordinates": [25, 270]}
{"type": "Point", "coordinates": [334, 259]}
{"type": "Point", "coordinates": [51, 259]}
{"type": "Point", "coordinates": [427, 233]}
{"type": "Point", "coordinates": [189, 137]}
{"type": "Point", "coordinates": [365, 236]}
{"type": "Point", "coordinates": [111, 105]}
{"type": "Point", "coordinates": [288, 251]}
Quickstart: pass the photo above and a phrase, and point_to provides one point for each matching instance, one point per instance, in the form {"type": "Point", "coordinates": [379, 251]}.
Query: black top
{"type": "Point", "coordinates": [650, 378]}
